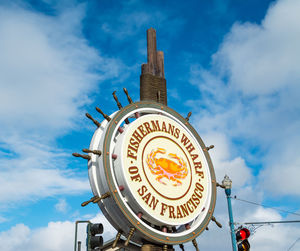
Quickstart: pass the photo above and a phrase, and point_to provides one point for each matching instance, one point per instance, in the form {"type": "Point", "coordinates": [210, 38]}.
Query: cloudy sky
{"type": "Point", "coordinates": [234, 64]}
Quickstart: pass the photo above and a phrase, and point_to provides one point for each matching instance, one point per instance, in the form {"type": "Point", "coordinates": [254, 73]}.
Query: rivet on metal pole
{"type": "Point", "coordinates": [97, 152]}
{"type": "Point", "coordinates": [218, 223]}
{"type": "Point", "coordinates": [82, 156]}
{"type": "Point", "coordinates": [195, 244]}
{"type": "Point", "coordinates": [165, 247]}
{"type": "Point", "coordinates": [128, 97]}
{"type": "Point", "coordinates": [118, 236]}
{"type": "Point", "coordinates": [103, 114]}
{"type": "Point", "coordinates": [116, 99]}
{"type": "Point", "coordinates": [95, 199]}
{"type": "Point", "coordinates": [119, 105]}
{"type": "Point", "coordinates": [83, 204]}
{"type": "Point", "coordinates": [129, 236]}
{"type": "Point", "coordinates": [188, 116]}
{"type": "Point", "coordinates": [210, 147]}
{"type": "Point", "coordinates": [104, 196]}
{"type": "Point", "coordinates": [94, 121]}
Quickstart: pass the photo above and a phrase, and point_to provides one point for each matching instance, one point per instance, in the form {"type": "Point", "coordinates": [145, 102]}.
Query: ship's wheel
{"type": "Point", "coordinates": [151, 174]}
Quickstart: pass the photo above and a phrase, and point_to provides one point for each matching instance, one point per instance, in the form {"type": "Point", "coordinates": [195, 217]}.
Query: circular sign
{"type": "Point", "coordinates": [165, 170]}
{"type": "Point", "coordinates": [157, 173]}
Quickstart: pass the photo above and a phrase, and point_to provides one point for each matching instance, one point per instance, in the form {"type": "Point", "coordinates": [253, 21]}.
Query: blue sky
{"type": "Point", "coordinates": [234, 64]}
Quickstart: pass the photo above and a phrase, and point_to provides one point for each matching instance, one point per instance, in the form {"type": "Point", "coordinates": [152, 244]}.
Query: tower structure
{"type": "Point", "coordinates": [152, 80]}
{"type": "Point", "coordinates": [149, 170]}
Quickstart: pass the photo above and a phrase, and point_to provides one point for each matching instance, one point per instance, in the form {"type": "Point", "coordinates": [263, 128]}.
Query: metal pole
{"type": "Point", "coordinates": [272, 222]}
{"type": "Point", "coordinates": [233, 240]}
{"type": "Point", "coordinates": [79, 245]}
{"type": "Point", "coordinates": [76, 228]}
{"type": "Point", "coordinates": [75, 242]}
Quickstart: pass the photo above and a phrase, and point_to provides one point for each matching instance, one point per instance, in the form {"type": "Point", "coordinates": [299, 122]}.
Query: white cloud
{"type": "Point", "coordinates": [61, 206]}
{"type": "Point", "coordinates": [17, 236]}
{"type": "Point", "coordinates": [251, 95]}
{"type": "Point", "coordinates": [56, 236]}
{"type": "Point", "coordinates": [224, 163]}
{"type": "Point", "coordinates": [38, 171]}
{"type": "Point", "coordinates": [274, 237]}
{"type": "Point", "coordinates": [251, 99]}
{"type": "Point", "coordinates": [47, 70]}
{"type": "Point", "coordinates": [35, 183]}
{"type": "Point", "coordinates": [262, 59]}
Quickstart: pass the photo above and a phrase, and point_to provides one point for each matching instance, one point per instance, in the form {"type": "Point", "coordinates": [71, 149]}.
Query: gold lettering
{"type": "Point", "coordinates": [137, 136]}
{"type": "Point", "coordinates": [142, 190]}
{"type": "Point", "coordinates": [147, 197]}
{"type": "Point", "coordinates": [171, 212]}
{"type": "Point", "coordinates": [133, 170]}
{"type": "Point", "coordinates": [132, 148]}
{"type": "Point", "coordinates": [143, 132]}
{"type": "Point", "coordinates": [130, 154]}
{"type": "Point", "coordinates": [177, 131]}
{"type": "Point", "coordinates": [190, 148]}
{"type": "Point", "coordinates": [184, 140]}
{"type": "Point", "coordinates": [155, 125]}
{"type": "Point", "coordinates": [163, 209]}
{"type": "Point", "coordinates": [196, 200]}
{"type": "Point", "coordinates": [200, 173]}
{"type": "Point", "coordinates": [199, 195]}
{"type": "Point", "coordinates": [194, 156]}
{"type": "Point", "coordinates": [184, 210]}
{"type": "Point", "coordinates": [134, 144]}
{"type": "Point", "coordinates": [153, 202]}
{"type": "Point", "coordinates": [187, 204]}
{"type": "Point", "coordinates": [179, 215]}
{"type": "Point", "coordinates": [198, 164]}
{"type": "Point", "coordinates": [147, 126]}
{"type": "Point", "coordinates": [136, 178]}
{"type": "Point", "coordinates": [171, 129]}
{"type": "Point", "coordinates": [200, 187]}
{"type": "Point", "coordinates": [163, 127]}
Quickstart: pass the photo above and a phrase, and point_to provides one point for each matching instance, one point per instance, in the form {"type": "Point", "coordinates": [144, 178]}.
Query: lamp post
{"type": "Point", "coordinates": [227, 184]}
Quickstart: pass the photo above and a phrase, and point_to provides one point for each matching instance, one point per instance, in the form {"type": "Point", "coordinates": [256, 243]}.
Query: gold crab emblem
{"type": "Point", "coordinates": [166, 168]}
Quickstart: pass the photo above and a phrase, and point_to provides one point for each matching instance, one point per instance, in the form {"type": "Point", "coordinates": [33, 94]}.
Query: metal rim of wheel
{"type": "Point", "coordinates": [122, 207]}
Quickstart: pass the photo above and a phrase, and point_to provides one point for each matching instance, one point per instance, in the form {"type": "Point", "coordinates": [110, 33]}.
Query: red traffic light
{"type": "Point", "coordinates": [242, 234]}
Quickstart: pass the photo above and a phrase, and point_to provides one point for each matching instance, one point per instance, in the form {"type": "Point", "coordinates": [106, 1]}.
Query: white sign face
{"type": "Point", "coordinates": [165, 170]}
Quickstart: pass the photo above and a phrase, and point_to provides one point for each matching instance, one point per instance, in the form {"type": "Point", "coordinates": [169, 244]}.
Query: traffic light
{"type": "Point", "coordinates": [241, 238]}
{"type": "Point", "coordinates": [94, 240]}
